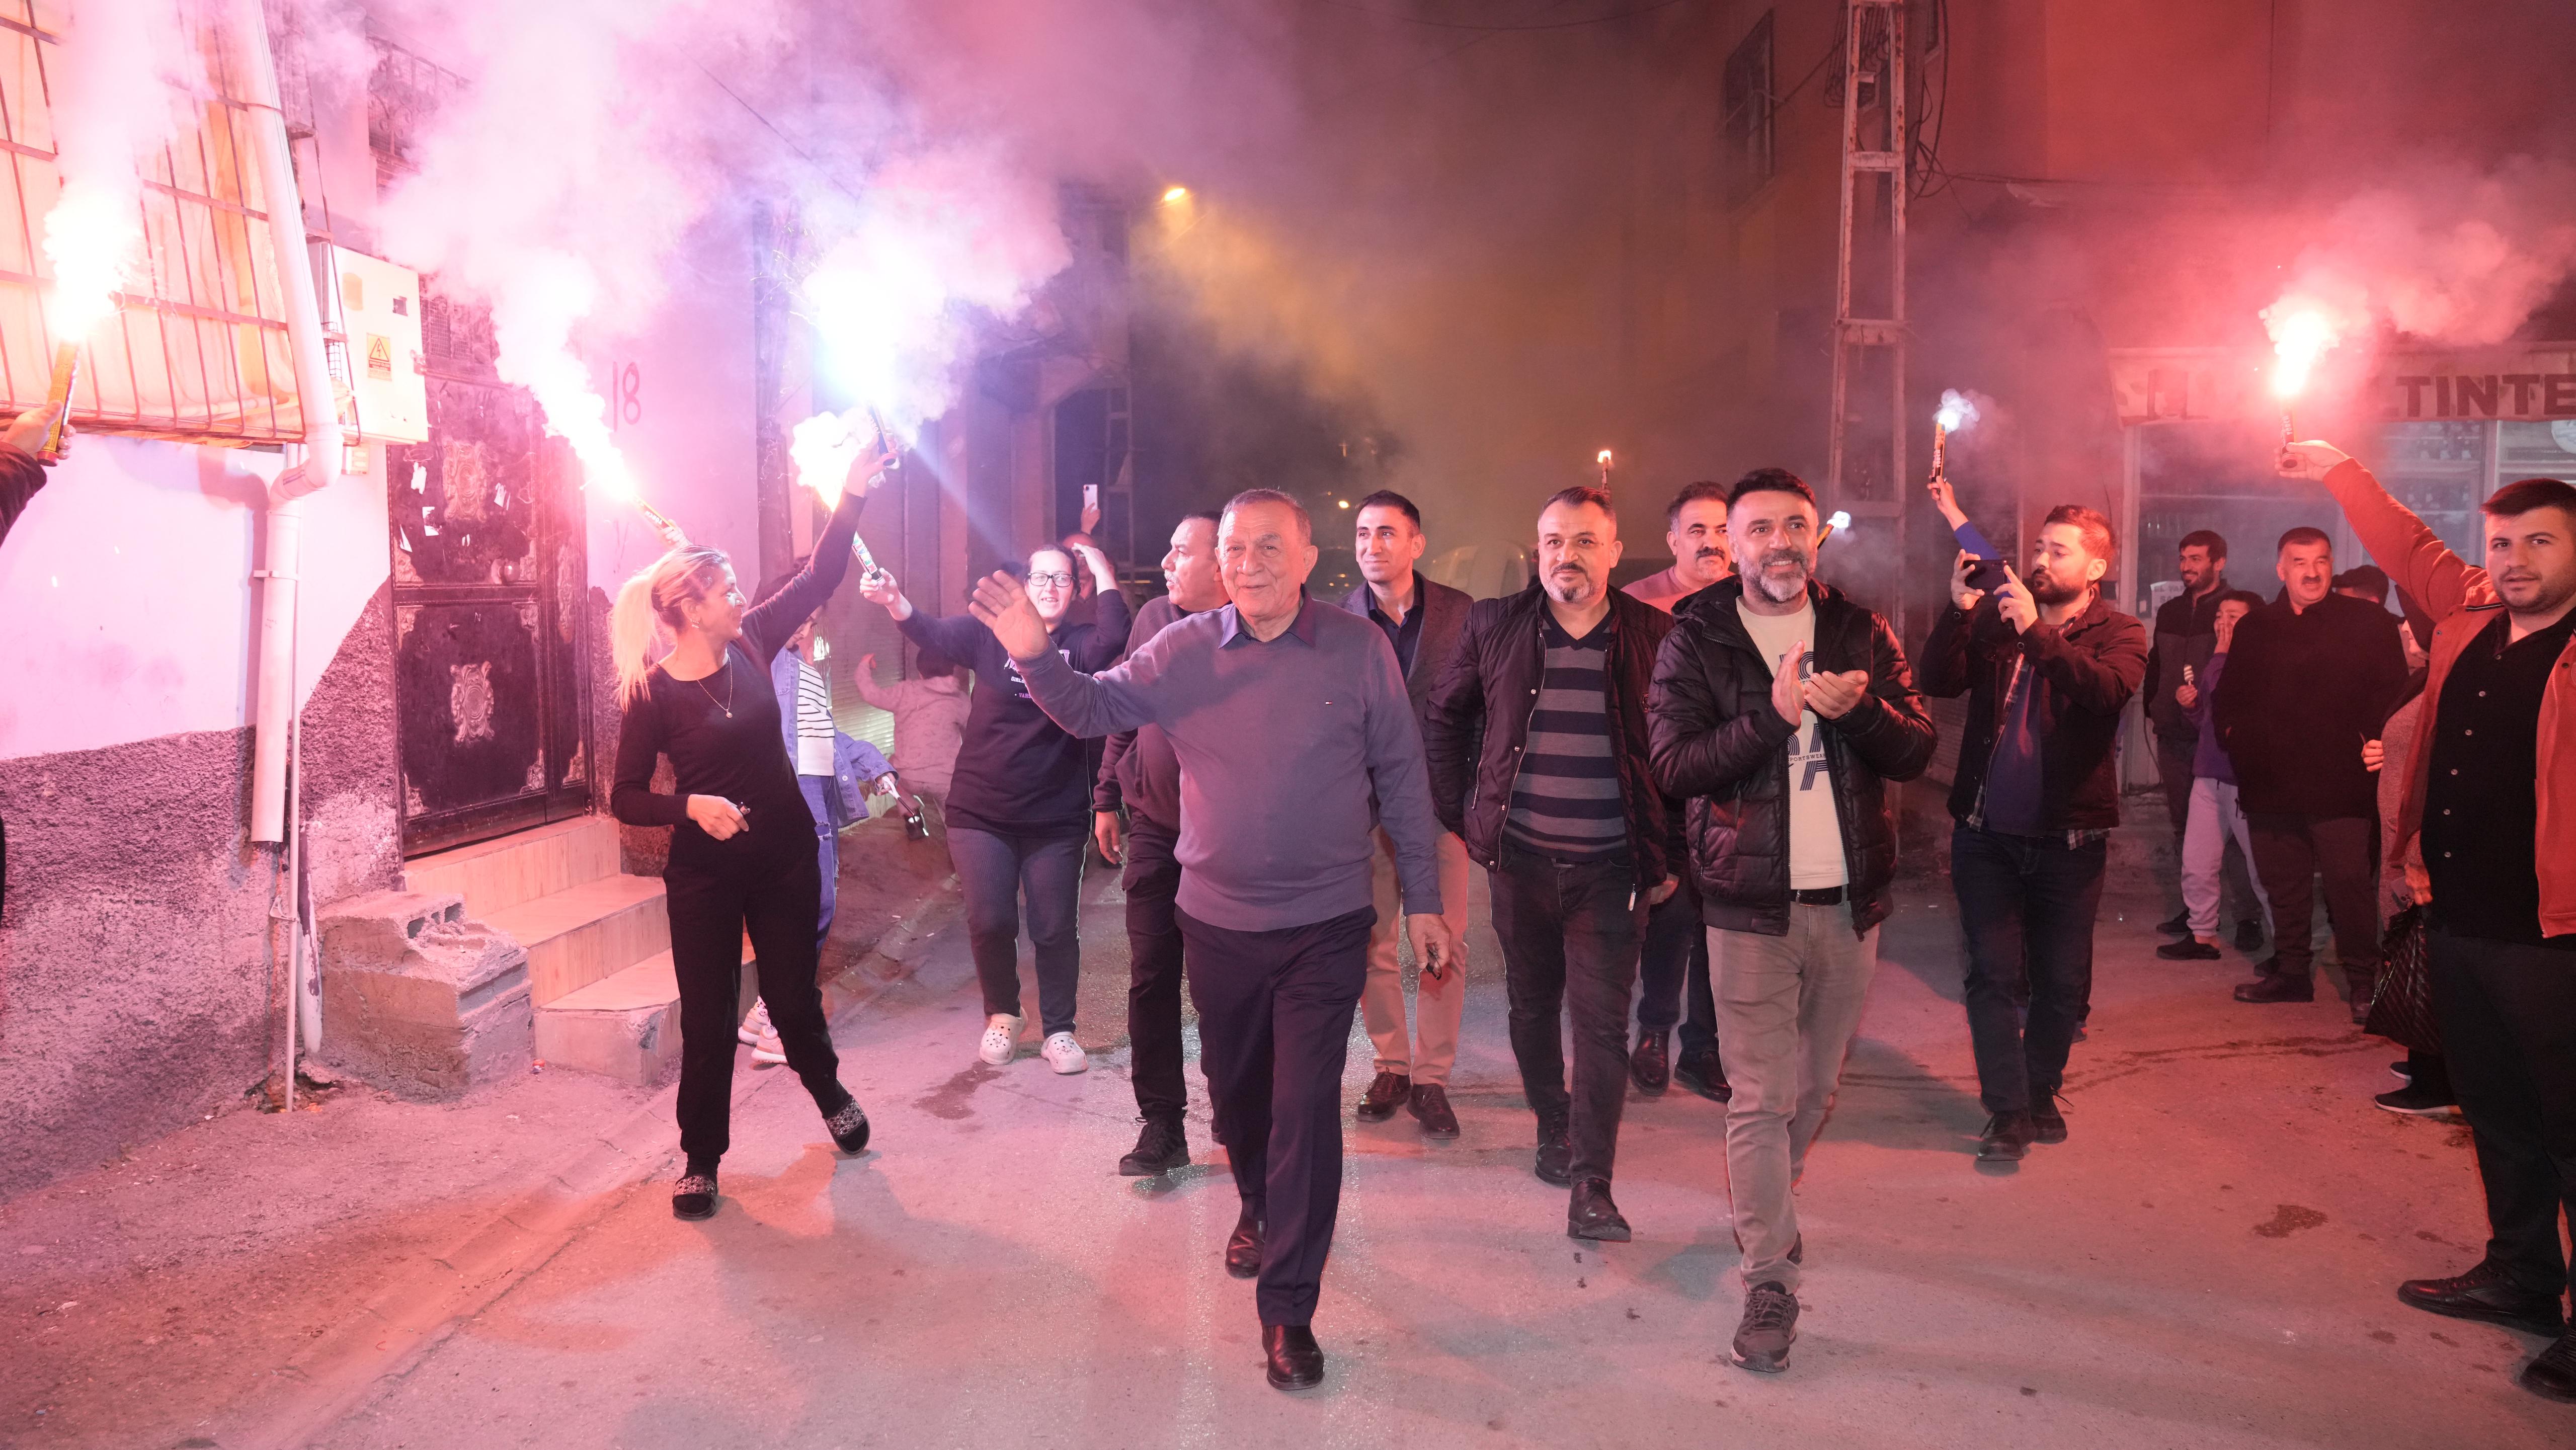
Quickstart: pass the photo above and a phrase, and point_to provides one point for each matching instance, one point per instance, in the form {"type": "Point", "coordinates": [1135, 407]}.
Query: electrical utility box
{"type": "Point", "coordinates": [371, 326]}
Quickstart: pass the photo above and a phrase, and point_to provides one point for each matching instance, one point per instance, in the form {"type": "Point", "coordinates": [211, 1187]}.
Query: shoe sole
{"type": "Point", "coordinates": [1291, 1386]}
{"type": "Point", "coordinates": [1363, 1113]}
{"type": "Point", "coordinates": [1079, 1067]}
{"type": "Point", "coordinates": [1128, 1169]}
{"type": "Point", "coordinates": [1241, 1273]}
{"type": "Point", "coordinates": [2546, 1391]}
{"type": "Point", "coordinates": [687, 1217]}
{"type": "Point", "coordinates": [2509, 1321]}
{"type": "Point", "coordinates": [2051, 1136]}
{"type": "Point", "coordinates": [2446, 1110]}
{"type": "Point", "coordinates": [768, 1059]}
{"type": "Point", "coordinates": [1998, 1155]}
{"type": "Point", "coordinates": [1761, 1363]}
{"type": "Point", "coordinates": [1619, 1235]}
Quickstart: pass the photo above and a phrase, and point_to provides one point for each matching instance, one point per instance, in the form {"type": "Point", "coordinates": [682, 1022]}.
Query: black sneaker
{"type": "Point", "coordinates": [1160, 1148]}
{"type": "Point", "coordinates": [2420, 1102]}
{"type": "Point", "coordinates": [1769, 1327]}
{"type": "Point", "coordinates": [849, 1127]}
{"type": "Point", "coordinates": [2007, 1137]}
{"type": "Point", "coordinates": [2179, 924]}
{"type": "Point", "coordinates": [2554, 1373]}
{"type": "Point", "coordinates": [1555, 1161]}
{"type": "Point", "coordinates": [2402, 1070]}
{"type": "Point", "coordinates": [694, 1196]}
{"type": "Point", "coordinates": [2249, 937]}
{"type": "Point", "coordinates": [2189, 949]}
{"type": "Point", "coordinates": [2047, 1123]}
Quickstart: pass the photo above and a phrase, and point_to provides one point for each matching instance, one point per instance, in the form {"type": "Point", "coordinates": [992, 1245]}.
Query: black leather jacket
{"type": "Point", "coordinates": [2083, 676]}
{"type": "Point", "coordinates": [1719, 745]}
{"type": "Point", "coordinates": [1491, 682]}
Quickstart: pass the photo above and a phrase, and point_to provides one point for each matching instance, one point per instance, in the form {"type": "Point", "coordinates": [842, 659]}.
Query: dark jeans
{"type": "Point", "coordinates": [2508, 1016]}
{"type": "Point", "coordinates": [1275, 1011]}
{"type": "Point", "coordinates": [1570, 936]}
{"type": "Point", "coordinates": [2174, 760]}
{"type": "Point", "coordinates": [827, 850]}
{"type": "Point", "coordinates": [1150, 877]}
{"type": "Point", "coordinates": [2289, 852]}
{"type": "Point", "coordinates": [710, 910]}
{"type": "Point", "coordinates": [993, 872]}
{"type": "Point", "coordinates": [2026, 908]}
{"type": "Point", "coordinates": [1674, 962]}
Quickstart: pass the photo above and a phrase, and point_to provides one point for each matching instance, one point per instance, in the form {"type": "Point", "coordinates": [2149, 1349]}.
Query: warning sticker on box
{"type": "Point", "coordinates": [380, 357]}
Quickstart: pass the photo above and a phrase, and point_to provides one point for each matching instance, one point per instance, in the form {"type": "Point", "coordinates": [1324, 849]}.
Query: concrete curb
{"type": "Point", "coordinates": [399, 1327]}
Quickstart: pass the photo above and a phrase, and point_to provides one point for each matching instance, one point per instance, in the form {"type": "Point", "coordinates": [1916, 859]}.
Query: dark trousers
{"type": "Point", "coordinates": [1150, 877]}
{"type": "Point", "coordinates": [1275, 1010]}
{"type": "Point", "coordinates": [2289, 853]}
{"type": "Point", "coordinates": [1570, 936]}
{"type": "Point", "coordinates": [827, 850]}
{"type": "Point", "coordinates": [2026, 909]}
{"type": "Point", "coordinates": [2508, 1017]}
{"type": "Point", "coordinates": [994, 873]}
{"type": "Point", "coordinates": [2174, 771]}
{"type": "Point", "coordinates": [1672, 970]}
{"type": "Point", "coordinates": [775, 900]}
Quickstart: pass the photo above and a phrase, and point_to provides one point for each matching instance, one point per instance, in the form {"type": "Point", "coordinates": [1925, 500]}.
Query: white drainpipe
{"type": "Point", "coordinates": [275, 733]}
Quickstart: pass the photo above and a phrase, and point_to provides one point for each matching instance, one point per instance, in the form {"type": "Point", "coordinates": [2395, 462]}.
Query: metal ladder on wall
{"type": "Point", "coordinates": [1873, 60]}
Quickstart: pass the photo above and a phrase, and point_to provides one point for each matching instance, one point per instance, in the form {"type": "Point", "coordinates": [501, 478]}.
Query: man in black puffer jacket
{"type": "Point", "coordinates": [1780, 709]}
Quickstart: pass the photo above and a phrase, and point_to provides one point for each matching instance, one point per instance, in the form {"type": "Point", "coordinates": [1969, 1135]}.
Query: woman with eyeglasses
{"type": "Point", "coordinates": [1019, 804]}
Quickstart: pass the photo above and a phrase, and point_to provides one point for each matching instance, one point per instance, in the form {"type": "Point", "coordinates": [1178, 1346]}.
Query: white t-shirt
{"type": "Point", "coordinates": [1815, 832]}
{"type": "Point", "coordinates": [813, 721]}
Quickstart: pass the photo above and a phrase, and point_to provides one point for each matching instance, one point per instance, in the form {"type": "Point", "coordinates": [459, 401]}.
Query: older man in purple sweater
{"type": "Point", "coordinates": [1296, 740]}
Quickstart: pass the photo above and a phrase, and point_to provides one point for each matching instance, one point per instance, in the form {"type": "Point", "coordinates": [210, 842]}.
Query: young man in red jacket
{"type": "Point", "coordinates": [2491, 788]}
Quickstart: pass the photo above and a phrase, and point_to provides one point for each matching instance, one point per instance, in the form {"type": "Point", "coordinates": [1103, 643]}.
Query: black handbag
{"type": "Point", "coordinates": [2402, 1008]}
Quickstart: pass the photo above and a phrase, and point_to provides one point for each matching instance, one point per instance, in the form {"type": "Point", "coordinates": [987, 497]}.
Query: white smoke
{"type": "Point", "coordinates": [119, 86]}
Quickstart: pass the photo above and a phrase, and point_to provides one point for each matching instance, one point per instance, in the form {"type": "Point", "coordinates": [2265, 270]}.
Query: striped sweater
{"type": "Point", "coordinates": [1565, 803]}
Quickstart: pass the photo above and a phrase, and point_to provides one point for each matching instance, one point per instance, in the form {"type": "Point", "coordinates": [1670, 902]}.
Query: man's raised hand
{"type": "Point", "coordinates": [1003, 606]}
{"type": "Point", "coordinates": [2311, 459]}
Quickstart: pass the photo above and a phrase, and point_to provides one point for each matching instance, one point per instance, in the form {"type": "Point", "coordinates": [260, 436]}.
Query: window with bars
{"type": "Point", "coordinates": [197, 348]}
{"type": "Point", "coordinates": [1746, 128]}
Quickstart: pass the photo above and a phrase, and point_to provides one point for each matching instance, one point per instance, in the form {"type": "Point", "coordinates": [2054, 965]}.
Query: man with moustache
{"type": "Point", "coordinates": [1295, 738]}
{"type": "Point", "coordinates": [2048, 665]}
{"type": "Point", "coordinates": [1421, 620]}
{"type": "Point", "coordinates": [2309, 679]}
{"type": "Point", "coordinates": [2490, 791]}
{"type": "Point", "coordinates": [1140, 773]}
{"type": "Point", "coordinates": [1675, 958]}
{"type": "Point", "coordinates": [1780, 710]}
{"type": "Point", "coordinates": [1559, 805]}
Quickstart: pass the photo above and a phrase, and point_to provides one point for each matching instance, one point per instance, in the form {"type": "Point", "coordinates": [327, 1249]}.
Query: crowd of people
{"type": "Point", "coordinates": [1681, 793]}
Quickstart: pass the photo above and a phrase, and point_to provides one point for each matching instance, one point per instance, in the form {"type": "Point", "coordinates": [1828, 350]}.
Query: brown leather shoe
{"type": "Point", "coordinates": [1387, 1093]}
{"type": "Point", "coordinates": [1430, 1103]}
{"type": "Point", "coordinates": [1243, 1249]}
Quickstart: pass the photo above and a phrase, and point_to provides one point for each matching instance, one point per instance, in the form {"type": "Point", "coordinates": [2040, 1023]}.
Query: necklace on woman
{"type": "Point", "coordinates": [725, 704]}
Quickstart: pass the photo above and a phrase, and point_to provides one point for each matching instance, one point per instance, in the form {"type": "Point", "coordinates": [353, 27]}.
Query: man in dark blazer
{"type": "Point", "coordinates": [1422, 621]}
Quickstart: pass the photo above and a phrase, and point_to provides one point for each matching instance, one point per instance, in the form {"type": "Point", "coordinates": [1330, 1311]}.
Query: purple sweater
{"type": "Point", "coordinates": [1290, 752]}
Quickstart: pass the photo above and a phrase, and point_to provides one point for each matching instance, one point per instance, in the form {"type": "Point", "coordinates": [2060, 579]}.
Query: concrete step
{"type": "Point", "coordinates": [625, 1025]}
{"type": "Point", "coordinates": [416, 998]}
{"type": "Point", "coordinates": [587, 932]}
{"type": "Point", "coordinates": [513, 870]}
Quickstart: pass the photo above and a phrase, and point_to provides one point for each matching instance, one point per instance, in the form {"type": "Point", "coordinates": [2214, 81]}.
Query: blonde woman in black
{"type": "Point", "coordinates": [742, 847]}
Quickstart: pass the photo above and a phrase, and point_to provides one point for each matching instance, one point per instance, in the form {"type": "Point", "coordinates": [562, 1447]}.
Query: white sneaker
{"type": "Point", "coordinates": [1064, 1054]}
{"type": "Point", "coordinates": [1001, 1039]}
{"type": "Point", "coordinates": [769, 1051]}
{"type": "Point", "coordinates": [756, 1026]}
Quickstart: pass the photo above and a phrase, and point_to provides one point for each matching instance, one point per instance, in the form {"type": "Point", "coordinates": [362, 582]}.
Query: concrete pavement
{"type": "Point", "coordinates": [2209, 1262]}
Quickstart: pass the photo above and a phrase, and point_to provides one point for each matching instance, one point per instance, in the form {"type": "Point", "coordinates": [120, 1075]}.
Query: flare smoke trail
{"type": "Point", "coordinates": [119, 87]}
